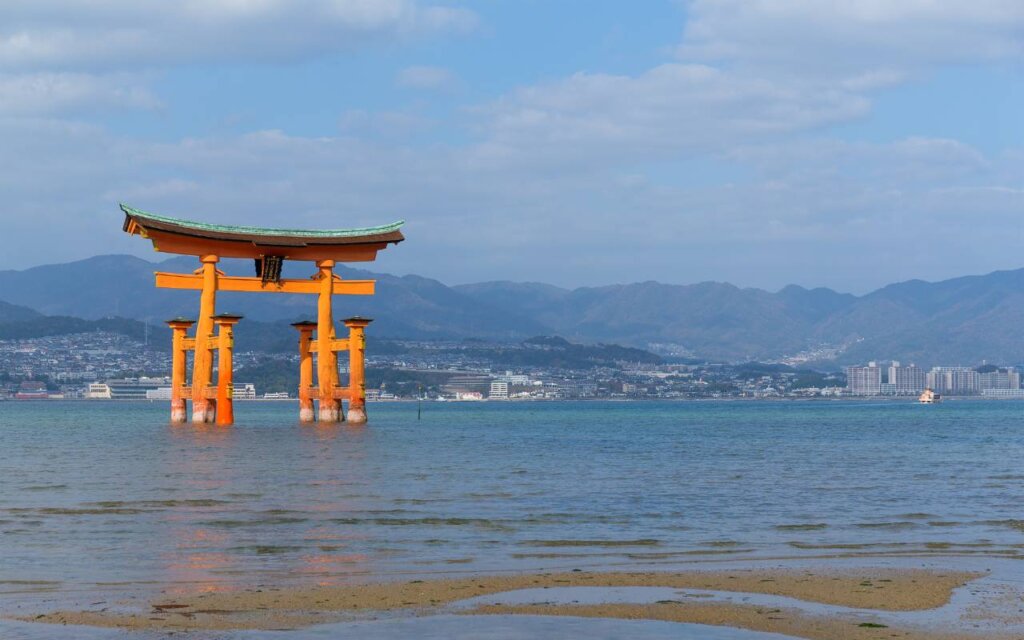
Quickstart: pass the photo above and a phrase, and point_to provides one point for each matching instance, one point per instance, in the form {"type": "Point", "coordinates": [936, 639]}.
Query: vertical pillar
{"type": "Point", "coordinates": [357, 369]}
{"type": "Point", "coordinates": [305, 370]}
{"type": "Point", "coordinates": [225, 362]}
{"type": "Point", "coordinates": [327, 360]}
{"type": "Point", "coordinates": [179, 328]}
{"type": "Point", "coordinates": [203, 408]}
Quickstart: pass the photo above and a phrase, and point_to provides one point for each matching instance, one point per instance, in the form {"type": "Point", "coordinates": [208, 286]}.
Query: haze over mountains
{"type": "Point", "coordinates": [959, 321]}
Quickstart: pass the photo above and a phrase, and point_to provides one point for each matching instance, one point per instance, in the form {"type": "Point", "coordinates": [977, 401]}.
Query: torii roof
{"type": "Point", "coordinates": [173, 235]}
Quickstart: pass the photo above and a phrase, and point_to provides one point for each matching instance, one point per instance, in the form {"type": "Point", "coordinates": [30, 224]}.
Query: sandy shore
{"type": "Point", "coordinates": [785, 621]}
{"type": "Point", "coordinates": [271, 608]}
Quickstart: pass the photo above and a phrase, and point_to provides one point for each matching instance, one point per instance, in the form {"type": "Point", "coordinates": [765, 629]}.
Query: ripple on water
{"type": "Point", "coordinates": [642, 542]}
{"type": "Point", "coordinates": [811, 526]}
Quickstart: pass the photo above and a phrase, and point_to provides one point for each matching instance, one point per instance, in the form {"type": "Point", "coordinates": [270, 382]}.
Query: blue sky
{"type": "Point", "coordinates": [760, 142]}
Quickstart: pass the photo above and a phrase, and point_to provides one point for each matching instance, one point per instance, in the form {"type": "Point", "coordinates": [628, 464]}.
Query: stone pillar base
{"type": "Point", "coordinates": [198, 412]}
{"type": "Point", "coordinates": [329, 412]}
{"type": "Point", "coordinates": [178, 413]}
{"type": "Point", "coordinates": [356, 415]}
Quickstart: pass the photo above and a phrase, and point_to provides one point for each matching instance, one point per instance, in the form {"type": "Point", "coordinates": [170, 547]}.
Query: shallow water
{"type": "Point", "coordinates": [100, 499]}
{"type": "Point", "coordinates": [434, 628]}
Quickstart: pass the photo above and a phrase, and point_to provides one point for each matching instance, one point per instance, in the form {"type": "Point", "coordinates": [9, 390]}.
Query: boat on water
{"type": "Point", "coordinates": [929, 397]}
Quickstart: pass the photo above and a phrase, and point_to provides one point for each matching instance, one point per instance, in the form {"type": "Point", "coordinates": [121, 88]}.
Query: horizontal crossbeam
{"type": "Point", "coordinates": [255, 285]}
{"type": "Point", "coordinates": [338, 344]}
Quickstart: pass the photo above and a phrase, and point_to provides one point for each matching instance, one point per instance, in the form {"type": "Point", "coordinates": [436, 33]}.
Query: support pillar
{"type": "Point", "coordinates": [305, 329]}
{"type": "Point", "coordinates": [327, 360]}
{"type": "Point", "coordinates": [203, 408]}
{"type": "Point", "coordinates": [225, 363]}
{"type": "Point", "coordinates": [357, 369]}
{"type": "Point", "coordinates": [179, 362]}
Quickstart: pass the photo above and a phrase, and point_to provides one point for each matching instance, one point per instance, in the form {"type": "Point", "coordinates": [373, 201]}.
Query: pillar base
{"type": "Point", "coordinates": [178, 413]}
{"type": "Point", "coordinates": [306, 414]}
{"type": "Point", "coordinates": [330, 413]}
{"type": "Point", "coordinates": [356, 415]}
{"type": "Point", "coordinates": [204, 411]}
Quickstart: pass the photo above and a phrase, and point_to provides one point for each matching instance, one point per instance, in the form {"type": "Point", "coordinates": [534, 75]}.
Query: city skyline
{"type": "Point", "coordinates": [757, 143]}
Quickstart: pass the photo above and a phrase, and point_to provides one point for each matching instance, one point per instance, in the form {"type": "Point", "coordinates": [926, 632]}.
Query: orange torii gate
{"type": "Point", "coordinates": [269, 248]}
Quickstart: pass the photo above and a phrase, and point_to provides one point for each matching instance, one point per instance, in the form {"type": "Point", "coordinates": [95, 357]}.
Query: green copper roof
{"type": "Point", "coordinates": [298, 233]}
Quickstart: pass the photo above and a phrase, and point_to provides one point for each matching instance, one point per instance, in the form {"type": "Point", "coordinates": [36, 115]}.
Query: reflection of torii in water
{"type": "Point", "coordinates": [269, 248]}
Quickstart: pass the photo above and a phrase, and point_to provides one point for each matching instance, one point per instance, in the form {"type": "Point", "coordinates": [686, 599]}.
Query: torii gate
{"type": "Point", "coordinates": [269, 248]}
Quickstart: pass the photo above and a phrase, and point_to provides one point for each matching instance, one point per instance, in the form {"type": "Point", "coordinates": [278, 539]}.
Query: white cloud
{"type": "Point", "coordinates": [45, 93]}
{"type": "Point", "coordinates": [673, 108]}
{"type": "Point", "coordinates": [65, 34]}
{"type": "Point", "coordinates": [803, 36]}
{"type": "Point", "coordinates": [425, 77]}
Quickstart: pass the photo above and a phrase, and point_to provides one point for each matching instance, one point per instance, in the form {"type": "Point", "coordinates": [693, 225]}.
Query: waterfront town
{"type": "Point", "coordinates": [110, 366]}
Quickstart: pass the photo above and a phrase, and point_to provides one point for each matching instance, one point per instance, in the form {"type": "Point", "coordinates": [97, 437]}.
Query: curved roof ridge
{"type": "Point", "coordinates": [241, 229]}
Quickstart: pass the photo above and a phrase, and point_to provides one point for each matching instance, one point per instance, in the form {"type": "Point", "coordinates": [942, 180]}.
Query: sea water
{"type": "Point", "coordinates": [99, 497]}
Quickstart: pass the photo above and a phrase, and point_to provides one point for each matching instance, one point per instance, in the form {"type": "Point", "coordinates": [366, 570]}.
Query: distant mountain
{"type": "Point", "coordinates": [14, 313]}
{"type": "Point", "coordinates": [963, 320]}
{"type": "Point", "coordinates": [119, 285]}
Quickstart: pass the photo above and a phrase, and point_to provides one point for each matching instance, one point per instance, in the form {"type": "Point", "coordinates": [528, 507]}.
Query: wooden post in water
{"type": "Point", "coordinates": [305, 329]}
{"type": "Point", "coordinates": [357, 369]}
{"type": "Point", "coordinates": [225, 362]}
{"type": "Point", "coordinates": [204, 409]}
{"type": "Point", "coordinates": [327, 360]}
{"type": "Point", "coordinates": [179, 362]}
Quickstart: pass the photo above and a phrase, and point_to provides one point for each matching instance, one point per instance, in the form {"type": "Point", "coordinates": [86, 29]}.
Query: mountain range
{"type": "Point", "coordinates": [959, 321]}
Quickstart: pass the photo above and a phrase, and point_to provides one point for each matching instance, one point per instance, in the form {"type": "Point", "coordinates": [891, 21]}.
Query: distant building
{"type": "Point", "coordinates": [909, 380]}
{"type": "Point", "coordinates": [31, 390]}
{"type": "Point", "coordinates": [499, 391]}
{"type": "Point", "coordinates": [1016, 394]}
{"type": "Point", "coordinates": [864, 381]}
{"type": "Point", "coordinates": [97, 391]}
{"type": "Point", "coordinates": [954, 381]}
{"type": "Point", "coordinates": [517, 379]}
{"type": "Point", "coordinates": [468, 383]}
{"type": "Point", "coordinates": [160, 393]}
{"type": "Point", "coordinates": [999, 379]}
{"type": "Point", "coordinates": [136, 388]}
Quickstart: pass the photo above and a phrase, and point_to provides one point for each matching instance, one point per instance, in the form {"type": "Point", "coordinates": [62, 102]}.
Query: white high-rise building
{"type": "Point", "coordinates": [954, 381]}
{"type": "Point", "coordinates": [864, 381]}
{"type": "Point", "coordinates": [1000, 379]}
{"type": "Point", "coordinates": [907, 380]}
{"type": "Point", "coordinates": [499, 391]}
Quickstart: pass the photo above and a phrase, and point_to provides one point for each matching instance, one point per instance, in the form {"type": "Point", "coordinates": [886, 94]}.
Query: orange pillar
{"type": "Point", "coordinates": [305, 370]}
{"type": "Point", "coordinates": [357, 369]}
{"type": "Point", "coordinates": [204, 409]}
{"type": "Point", "coordinates": [179, 361]}
{"type": "Point", "coordinates": [327, 360]}
{"type": "Point", "coordinates": [225, 379]}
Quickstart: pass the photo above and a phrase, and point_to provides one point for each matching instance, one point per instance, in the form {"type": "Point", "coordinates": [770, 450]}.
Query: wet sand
{"type": "Point", "coordinates": [272, 608]}
{"type": "Point", "coordinates": [785, 621]}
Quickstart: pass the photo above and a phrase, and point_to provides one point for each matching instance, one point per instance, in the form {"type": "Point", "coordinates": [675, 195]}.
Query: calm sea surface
{"type": "Point", "coordinates": [98, 495]}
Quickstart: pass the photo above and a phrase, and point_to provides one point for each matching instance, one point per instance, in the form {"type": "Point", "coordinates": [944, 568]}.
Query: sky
{"type": "Point", "coordinates": [575, 142]}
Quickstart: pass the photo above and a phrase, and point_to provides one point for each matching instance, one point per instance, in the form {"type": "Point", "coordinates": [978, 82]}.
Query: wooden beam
{"type": "Point", "coordinates": [338, 344]}
{"type": "Point", "coordinates": [255, 285]}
